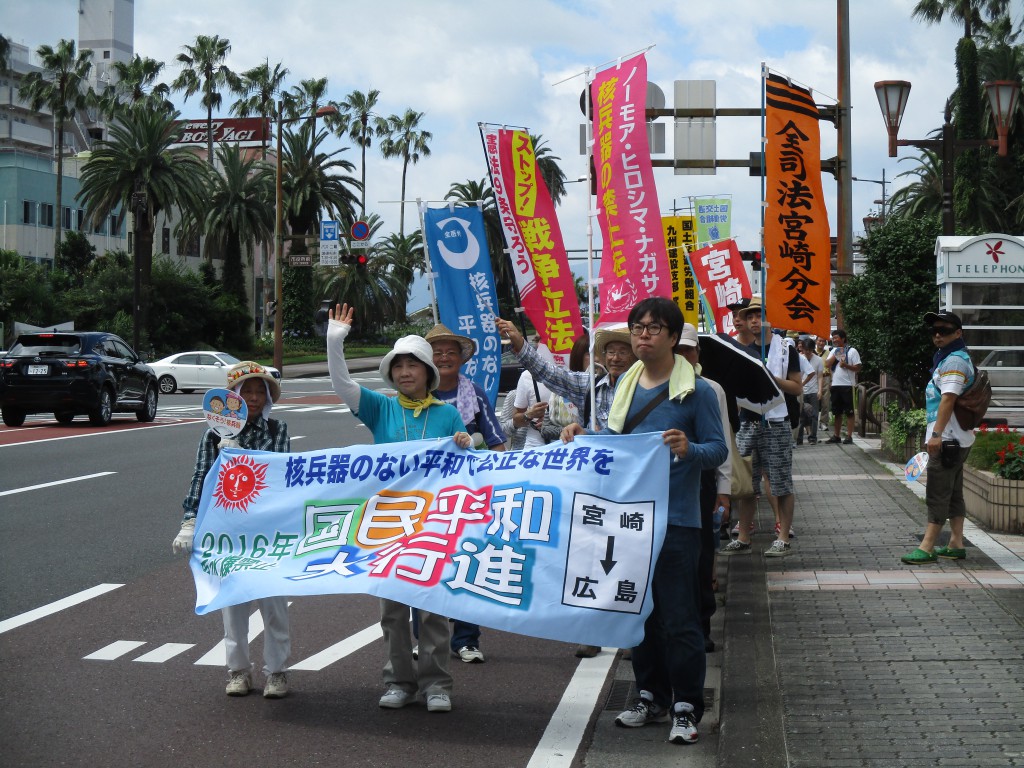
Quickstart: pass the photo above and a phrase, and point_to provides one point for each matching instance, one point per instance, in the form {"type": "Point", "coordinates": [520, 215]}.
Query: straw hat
{"type": "Point", "coordinates": [239, 373]}
{"type": "Point", "coordinates": [440, 332]}
{"type": "Point", "coordinates": [418, 347]}
{"type": "Point", "coordinates": [607, 335]}
{"type": "Point", "coordinates": [753, 306]}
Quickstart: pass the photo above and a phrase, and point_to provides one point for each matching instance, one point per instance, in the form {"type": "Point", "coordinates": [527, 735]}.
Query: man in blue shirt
{"type": "Point", "coordinates": [664, 395]}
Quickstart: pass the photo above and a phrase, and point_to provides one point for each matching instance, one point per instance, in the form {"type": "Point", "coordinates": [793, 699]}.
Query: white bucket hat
{"type": "Point", "coordinates": [419, 348]}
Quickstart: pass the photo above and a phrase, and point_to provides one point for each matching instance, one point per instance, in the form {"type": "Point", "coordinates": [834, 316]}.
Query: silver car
{"type": "Point", "coordinates": [189, 371]}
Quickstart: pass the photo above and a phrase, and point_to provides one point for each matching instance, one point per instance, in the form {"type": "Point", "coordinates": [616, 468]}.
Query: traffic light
{"type": "Point", "coordinates": [353, 259]}
{"type": "Point", "coordinates": [752, 256]}
{"type": "Point", "coordinates": [361, 261]}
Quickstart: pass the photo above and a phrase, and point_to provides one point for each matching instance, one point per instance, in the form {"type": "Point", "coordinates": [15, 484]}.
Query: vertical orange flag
{"type": "Point", "coordinates": [797, 245]}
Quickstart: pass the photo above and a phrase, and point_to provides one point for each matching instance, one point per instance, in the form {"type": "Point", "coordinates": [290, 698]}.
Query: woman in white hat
{"type": "Point", "coordinates": [260, 390]}
{"type": "Point", "coordinates": [414, 415]}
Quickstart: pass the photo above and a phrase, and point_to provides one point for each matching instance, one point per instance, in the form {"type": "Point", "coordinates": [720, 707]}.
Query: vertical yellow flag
{"type": "Point", "coordinates": [680, 231]}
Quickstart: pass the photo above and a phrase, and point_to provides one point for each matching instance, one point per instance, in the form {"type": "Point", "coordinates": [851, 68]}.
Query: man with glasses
{"type": "Point", "coordinates": [844, 363]}
{"type": "Point", "coordinates": [947, 444]}
{"type": "Point", "coordinates": [664, 395]}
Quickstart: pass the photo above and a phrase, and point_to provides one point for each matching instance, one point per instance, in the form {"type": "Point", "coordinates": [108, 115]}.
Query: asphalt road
{"type": "Point", "coordinates": [106, 664]}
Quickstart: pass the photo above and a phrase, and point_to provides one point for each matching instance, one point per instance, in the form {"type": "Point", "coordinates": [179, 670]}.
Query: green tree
{"type": "Point", "coordinates": [313, 181]}
{"type": "Point", "coordinates": [136, 82]}
{"type": "Point", "coordinates": [139, 169]}
{"type": "Point", "coordinates": [402, 137]}
{"type": "Point", "coordinates": [5, 54]}
{"type": "Point", "coordinates": [25, 294]}
{"type": "Point", "coordinates": [356, 110]}
{"type": "Point", "coordinates": [74, 256]}
{"type": "Point", "coordinates": [883, 306]}
{"type": "Point", "coordinates": [203, 70]}
{"type": "Point", "coordinates": [924, 196]}
{"type": "Point", "coordinates": [966, 12]}
{"type": "Point", "coordinates": [240, 212]}
{"type": "Point", "coordinates": [548, 169]}
{"type": "Point", "coordinates": [377, 291]}
{"type": "Point", "coordinates": [305, 99]}
{"type": "Point", "coordinates": [62, 86]}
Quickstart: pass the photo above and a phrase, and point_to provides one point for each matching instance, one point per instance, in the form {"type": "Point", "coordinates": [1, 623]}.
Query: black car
{"type": "Point", "coordinates": [72, 373]}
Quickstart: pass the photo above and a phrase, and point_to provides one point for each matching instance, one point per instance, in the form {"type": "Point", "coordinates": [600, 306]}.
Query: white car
{"type": "Point", "coordinates": [189, 371]}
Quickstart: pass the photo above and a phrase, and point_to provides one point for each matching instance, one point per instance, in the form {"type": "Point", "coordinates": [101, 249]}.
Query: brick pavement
{"type": "Point", "coordinates": [839, 655]}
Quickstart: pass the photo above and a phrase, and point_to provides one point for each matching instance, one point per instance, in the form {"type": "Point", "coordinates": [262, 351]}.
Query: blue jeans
{"type": "Point", "coordinates": [670, 663]}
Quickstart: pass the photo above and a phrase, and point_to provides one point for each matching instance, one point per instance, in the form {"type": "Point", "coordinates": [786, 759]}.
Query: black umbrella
{"type": "Point", "coordinates": [743, 377]}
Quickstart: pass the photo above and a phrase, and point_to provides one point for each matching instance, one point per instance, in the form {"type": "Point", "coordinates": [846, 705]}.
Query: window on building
{"type": "Point", "coordinates": [66, 223]}
{"type": "Point", "coordinates": [165, 240]}
{"type": "Point", "coordinates": [98, 229]}
{"type": "Point", "coordinates": [46, 214]}
{"type": "Point", "coordinates": [189, 246]}
{"type": "Point", "coordinates": [29, 209]}
{"type": "Point", "coordinates": [115, 230]}
{"type": "Point", "coordinates": [80, 220]}
{"type": "Point", "coordinates": [106, 54]}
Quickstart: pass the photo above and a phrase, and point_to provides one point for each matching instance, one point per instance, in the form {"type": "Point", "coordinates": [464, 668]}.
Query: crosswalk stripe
{"type": "Point", "coordinates": [218, 655]}
{"type": "Point", "coordinates": [115, 650]}
{"type": "Point", "coordinates": [340, 650]}
{"type": "Point", "coordinates": [59, 605]}
{"type": "Point", "coordinates": [164, 652]}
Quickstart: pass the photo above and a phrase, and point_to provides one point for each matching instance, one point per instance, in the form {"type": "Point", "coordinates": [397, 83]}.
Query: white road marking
{"type": "Point", "coordinates": [218, 655]}
{"type": "Point", "coordinates": [557, 747]}
{"type": "Point", "coordinates": [55, 482]}
{"type": "Point", "coordinates": [338, 651]}
{"type": "Point", "coordinates": [164, 652]}
{"type": "Point", "coordinates": [72, 600]}
{"type": "Point", "coordinates": [115, 650]}
{"type": "Point", "coordinates": [100, 434]}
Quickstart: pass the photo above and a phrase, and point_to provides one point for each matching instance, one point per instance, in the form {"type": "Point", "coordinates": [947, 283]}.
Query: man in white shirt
{"type": "Point", "coordinates": [844, 362]}
{"type": "Point", "coordinates": [812, 391]}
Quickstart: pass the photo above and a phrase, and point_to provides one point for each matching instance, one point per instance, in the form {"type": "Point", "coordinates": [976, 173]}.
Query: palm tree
{"type": "Point", "coordinates": [356, 111]}
{"type": "Point", "coordinates": [966, 12]}
{"type": "Point", "coordinates": [5, 54]}
{"type": "Point", "coordinates": [305, 99]}
{"type": "Point", "coordinates": [549, 169]}
{"type": "Point", "coordinates": [259, 89]}
{"type": "Point", "coordinates": [62, 87]}
{"type": "Point", "coordinates": [203, 69]}
{"type": "Point", "coordinates": [139, 169]}
{"type": "Point", "coordinates": [924, 196]}
{"type": "Point", "coordinates": [378, 291]}
{"type": "Point", "coordinates": [240, 212]}
{"type": "Point", "coordinates": [313, 182]}
{"type": "Point", "coordinates": [136, 81]}
{"type": "Point", "coordinates": [402, 137]}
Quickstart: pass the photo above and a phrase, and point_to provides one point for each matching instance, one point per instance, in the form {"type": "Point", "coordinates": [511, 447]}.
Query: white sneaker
{"type": "Point", "coordinates": [395, 698]}
{"type": "Point", "coordinates": [471, 654]}
{"type": "Point", "coordinates": [239, 684]}
{"type": "Point", "coordinates": [684, 728]}
{"type": "Point", "coordinates": [643, 712]}
{"type": "Point", "coordinates": [439, 702]}
{"type": "Point", "coordinates": [276, 687]}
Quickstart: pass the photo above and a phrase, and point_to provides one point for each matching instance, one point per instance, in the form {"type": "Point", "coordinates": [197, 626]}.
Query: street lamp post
{"type": "Point", "coordinates": [881, 181]}
{"type": "Point", "coordinates": [892, 100]}
{"type": "Point", "coordinates": [279, 231]}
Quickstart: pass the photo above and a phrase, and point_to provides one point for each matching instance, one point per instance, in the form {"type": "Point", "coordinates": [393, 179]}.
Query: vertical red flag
{"type": "Point", "coordinates": [547, 289]}
{"type": "Point", "coordinates": [634, 261]}
{"type": "Point", "coordinates": [797, 244]}
{"type": "Point", "coordinates": [723, 278]}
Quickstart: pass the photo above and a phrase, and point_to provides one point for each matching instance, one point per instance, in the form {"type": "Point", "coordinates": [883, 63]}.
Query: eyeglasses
{"type": "Point", "coordinates": [441, 354]}
{"type": "Point", "coordinates": [637, 329]}
{"type": "Point", "coordinates": [942, 330]}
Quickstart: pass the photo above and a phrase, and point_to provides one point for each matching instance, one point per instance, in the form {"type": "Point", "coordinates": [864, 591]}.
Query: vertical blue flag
{"type": "Point", "coordinates": [464, 286]}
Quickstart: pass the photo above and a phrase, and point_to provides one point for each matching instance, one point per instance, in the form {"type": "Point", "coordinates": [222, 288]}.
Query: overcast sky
{"type": "Point", "coordinates": [463, 62]}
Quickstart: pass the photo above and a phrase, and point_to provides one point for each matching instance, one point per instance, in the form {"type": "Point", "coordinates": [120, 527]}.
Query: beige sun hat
{"type": "Point", "coordinates": [418, 347]}
{"type": "Point", "coordinates": [247, 369]}
{"type": "Point", "coordinates": [440, 332]}
{"type": "Point", "coordinates": [607, 335]}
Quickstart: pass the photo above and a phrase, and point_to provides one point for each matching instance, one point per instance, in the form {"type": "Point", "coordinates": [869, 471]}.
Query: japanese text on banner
{"type": "Point", "coordinates": [679, 238]}
{"type": "Point", "coordinates": [723, 278]}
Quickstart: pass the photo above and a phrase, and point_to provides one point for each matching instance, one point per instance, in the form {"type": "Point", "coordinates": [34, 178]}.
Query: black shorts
{"type": "Point", "coordinates": [842, 401]}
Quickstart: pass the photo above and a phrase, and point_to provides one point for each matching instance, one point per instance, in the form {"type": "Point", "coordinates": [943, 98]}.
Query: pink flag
{"type": "Point", "coordinates": [546, 285]}
{"type": "Point", "coordinates": [634, 262]}
{"type": "Point", "coordinates": [723, 278]}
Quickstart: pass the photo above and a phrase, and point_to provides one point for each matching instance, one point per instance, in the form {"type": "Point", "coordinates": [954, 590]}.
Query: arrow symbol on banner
{"type": "Point", "coordinates": [609, 562]}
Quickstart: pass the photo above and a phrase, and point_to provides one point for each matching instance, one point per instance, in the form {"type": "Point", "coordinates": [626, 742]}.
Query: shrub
{"type": "Point", "coordinates": [901, 425]}
{"type": "Point", "coordinates": [999, 450]}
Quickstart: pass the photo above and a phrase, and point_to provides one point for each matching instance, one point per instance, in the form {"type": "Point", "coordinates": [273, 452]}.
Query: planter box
{"type": "Point", "coordinates": [995, 502]}
{"type": "Point", "coordinates": [913, 446]}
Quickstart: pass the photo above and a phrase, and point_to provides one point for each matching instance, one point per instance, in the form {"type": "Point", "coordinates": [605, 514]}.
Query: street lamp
{"type": "Point", "coordinates": [883, 182]}
{"type": "Point", "coordinates": [892, 100]}
{"type": "Point", "coordinates": [279, 231]}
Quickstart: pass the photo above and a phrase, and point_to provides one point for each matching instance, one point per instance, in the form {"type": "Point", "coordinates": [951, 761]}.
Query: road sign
{"type": "Point", "coordinates": [329, 259]}
{"type": "Point", "coordinates": [359, 230]}
{"type": "Point", "coordinates": [329, 230]}
{"type": "Point", "coordinates": [300, 260]}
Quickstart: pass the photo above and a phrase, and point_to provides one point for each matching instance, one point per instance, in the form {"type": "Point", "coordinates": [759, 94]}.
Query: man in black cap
{"type": "Point", "coordinates": [947, 444]}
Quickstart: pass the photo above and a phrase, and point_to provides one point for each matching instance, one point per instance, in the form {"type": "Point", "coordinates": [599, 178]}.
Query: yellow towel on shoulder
{"type": "Point", "coordinates": [681, 382]}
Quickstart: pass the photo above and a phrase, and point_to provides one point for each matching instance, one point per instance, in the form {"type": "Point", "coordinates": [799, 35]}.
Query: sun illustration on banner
{"type": "Point", "coordinates": [239, 482]}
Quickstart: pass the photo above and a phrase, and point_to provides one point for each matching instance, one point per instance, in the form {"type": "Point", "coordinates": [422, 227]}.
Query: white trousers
{"type": "Point", "coordinates": [277, 642]}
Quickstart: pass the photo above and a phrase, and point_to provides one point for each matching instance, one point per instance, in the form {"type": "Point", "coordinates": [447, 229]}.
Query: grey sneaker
{"type": "Point", "coordinates": [395, 698]}
{"type": "Point", "coordinates": [239, 684]}
{"type": "Point", "coordinates": [779, 548]}
{"type": "Point", "coordinates": [643, 712]}
{"type": "Point", "coordinates": [684, 728]}
{"type": "Point", "coordinates": [276, 687]}
{"type": "Point", "coordinates": [439, 702]}
{"type": "Point", "coordinates": [471, 654]}
{"type": "Point", "coordinates": [736, 547]}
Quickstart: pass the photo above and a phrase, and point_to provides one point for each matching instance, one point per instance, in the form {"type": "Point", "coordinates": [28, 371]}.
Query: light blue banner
{"type": "Point", "coordinates": [464, 285]}
{"type": "Point", "coordinates": [558, 542]}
